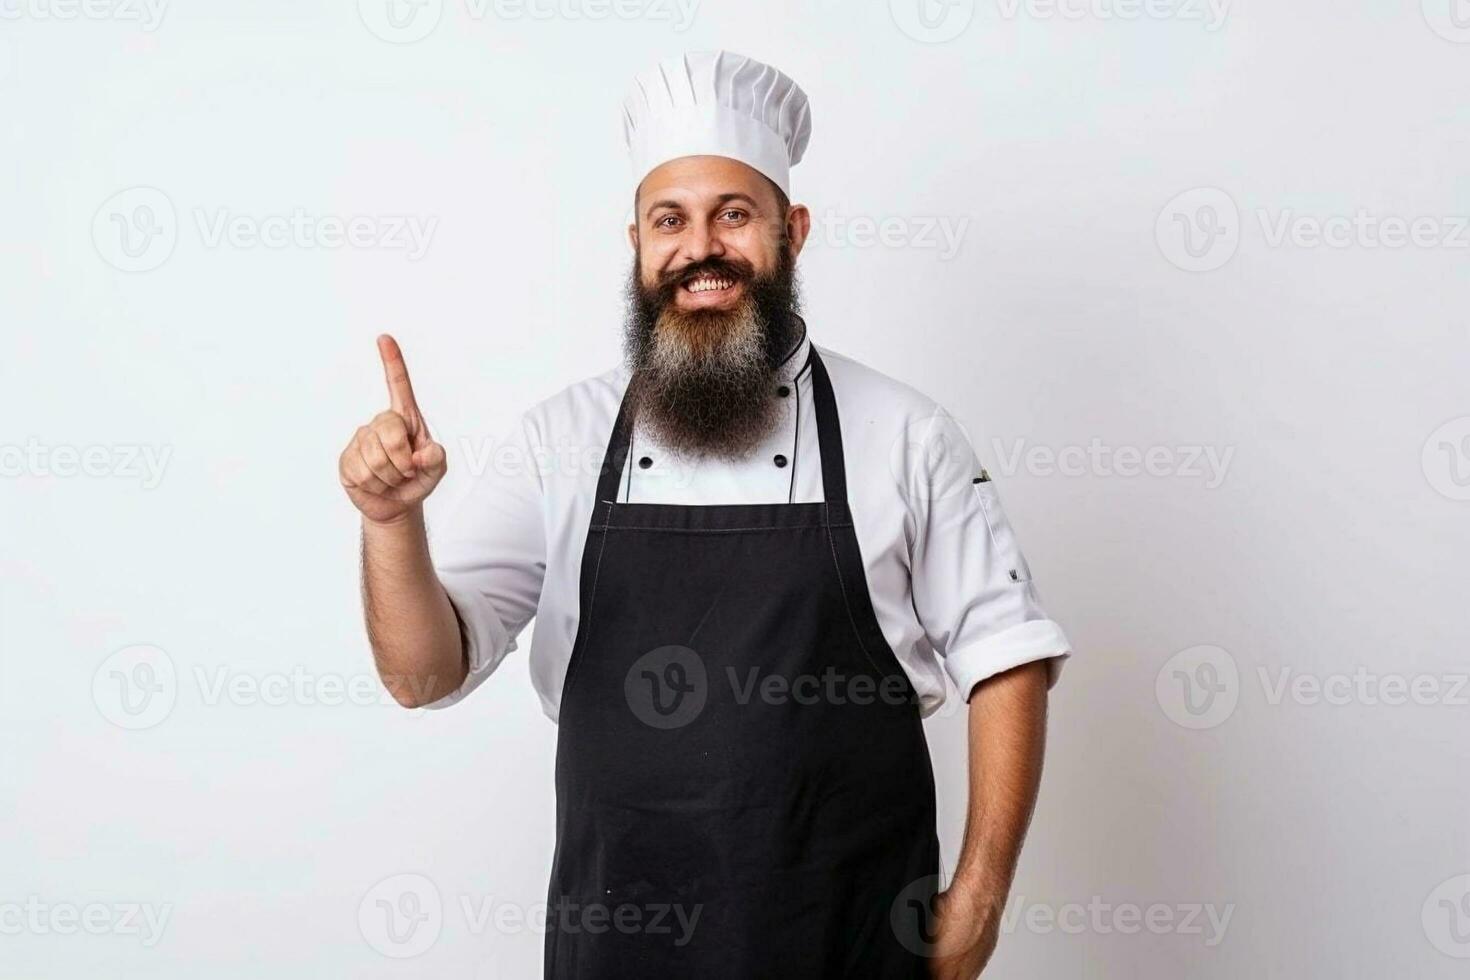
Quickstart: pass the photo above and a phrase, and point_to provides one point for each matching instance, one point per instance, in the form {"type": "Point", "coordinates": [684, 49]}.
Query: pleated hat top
{"type": "Point", "coordinates": [716, 103]}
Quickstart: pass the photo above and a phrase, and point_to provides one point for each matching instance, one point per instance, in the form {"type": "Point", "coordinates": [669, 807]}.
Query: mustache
{"type": "Point", "coordinates": [734, 269]}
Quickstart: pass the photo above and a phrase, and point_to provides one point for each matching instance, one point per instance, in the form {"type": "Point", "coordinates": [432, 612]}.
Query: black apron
{"type": "Point", "coordinates": [743, 788]}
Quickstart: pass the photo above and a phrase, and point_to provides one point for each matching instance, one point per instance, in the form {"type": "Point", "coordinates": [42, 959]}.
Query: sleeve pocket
{"type": "Point", "coordinates": [1007, 555]}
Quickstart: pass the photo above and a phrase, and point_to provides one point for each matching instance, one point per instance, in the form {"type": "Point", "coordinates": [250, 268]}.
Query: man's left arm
{"type": "Point", "coordinates": [1007, 741]}
{"type": "Point", "coordinates": [973, 593]}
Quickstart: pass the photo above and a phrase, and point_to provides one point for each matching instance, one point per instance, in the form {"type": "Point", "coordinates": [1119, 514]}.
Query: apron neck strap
{"type": "Point", "coordinates": [829, 436]}
{"type": "Point", "coordinates": [829, 432]}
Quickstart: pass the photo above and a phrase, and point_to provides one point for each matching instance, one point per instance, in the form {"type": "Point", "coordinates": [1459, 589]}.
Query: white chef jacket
{"type": "Point", "coordinates": [949, 584]}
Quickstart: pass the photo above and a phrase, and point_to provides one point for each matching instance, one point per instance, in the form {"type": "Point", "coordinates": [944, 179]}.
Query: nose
{"type": "Point", "coordinates": [702, 241]}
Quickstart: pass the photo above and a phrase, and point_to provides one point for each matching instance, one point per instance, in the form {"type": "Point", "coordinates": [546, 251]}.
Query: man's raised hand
{"type": "Point", "coordinates": [391, 464]}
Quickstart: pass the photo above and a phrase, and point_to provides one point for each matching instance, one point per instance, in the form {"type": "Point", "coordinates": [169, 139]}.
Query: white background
{"type": "Point", "coordinates": [264, 825]}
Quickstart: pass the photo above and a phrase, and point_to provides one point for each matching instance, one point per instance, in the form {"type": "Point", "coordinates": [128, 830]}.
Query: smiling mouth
{"type": "Point", "coordinates": [708, 285]}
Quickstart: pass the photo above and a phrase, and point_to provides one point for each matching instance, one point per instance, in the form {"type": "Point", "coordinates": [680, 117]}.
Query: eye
{"type": "Point", "coordinates": [732, 215]}
{"type": "Point", "coordinates": [665, 221]}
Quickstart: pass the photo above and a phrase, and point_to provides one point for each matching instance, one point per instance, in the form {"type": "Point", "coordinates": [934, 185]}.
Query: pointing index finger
{"type": "Point", "coordinates": [400, 389]}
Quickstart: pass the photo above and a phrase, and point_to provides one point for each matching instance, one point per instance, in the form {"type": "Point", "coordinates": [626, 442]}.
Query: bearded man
{"type": "Point", "coordinates": [745, 613]}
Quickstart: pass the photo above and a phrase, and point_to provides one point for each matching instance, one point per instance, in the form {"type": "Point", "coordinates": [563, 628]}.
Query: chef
{"type": "Point", "coordinates": [745, 604]}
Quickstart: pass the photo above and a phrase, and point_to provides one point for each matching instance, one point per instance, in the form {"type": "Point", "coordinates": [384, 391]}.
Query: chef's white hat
{"type": "Point", "coordinates": [720, 104]}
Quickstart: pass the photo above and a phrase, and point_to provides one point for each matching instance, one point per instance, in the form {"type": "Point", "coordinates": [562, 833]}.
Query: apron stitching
{"type": "Point", "coordinates": [710, 530]}
{"type": "Point", "coordinates": [795, 441]}
{"type": "Point", "coordinates": [700, 625]}
{"type": "Point", "coordinates": [847, 604]}
{"type": "Point", "coordinates": [591, 601]}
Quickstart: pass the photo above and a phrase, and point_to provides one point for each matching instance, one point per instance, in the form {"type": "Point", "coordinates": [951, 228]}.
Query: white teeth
{"type": "Point", "coordinates": [705, 285]}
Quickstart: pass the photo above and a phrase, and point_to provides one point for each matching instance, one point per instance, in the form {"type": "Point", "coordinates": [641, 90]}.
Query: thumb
{"type": "Point", "coordinates": [430, 459]}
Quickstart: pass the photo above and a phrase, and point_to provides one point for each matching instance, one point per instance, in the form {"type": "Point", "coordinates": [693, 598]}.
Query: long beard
{"type": "Point", "coordinates": [704, 381]}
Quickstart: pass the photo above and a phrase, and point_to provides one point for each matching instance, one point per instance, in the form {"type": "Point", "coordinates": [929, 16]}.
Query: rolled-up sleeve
{"type": "Point", "coordinates": [972, 588]}
{"type": "Point", "coordinates": [490, 553]}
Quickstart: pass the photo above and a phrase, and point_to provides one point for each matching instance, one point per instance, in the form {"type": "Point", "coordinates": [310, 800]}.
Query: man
{"type": "Point", "coordinates": [743, 613]}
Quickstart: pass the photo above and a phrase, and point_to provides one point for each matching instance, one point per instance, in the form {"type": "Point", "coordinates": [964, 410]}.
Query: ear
{"type": "Point", "coordinates": [798, 227]}
{"type": "Point", "coordinates": [633, 235]}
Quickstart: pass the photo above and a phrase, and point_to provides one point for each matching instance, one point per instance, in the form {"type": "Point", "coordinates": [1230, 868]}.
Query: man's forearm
{"type": "Point", "coordinates": [1007, 743]}
{"type": "Point", "coordinates": [411, 625]}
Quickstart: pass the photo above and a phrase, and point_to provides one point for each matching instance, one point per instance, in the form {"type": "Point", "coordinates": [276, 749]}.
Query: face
{"type": "Point", "coordinates": [711, 303]}
{"type": "Point", "coordinates": [707, 226]}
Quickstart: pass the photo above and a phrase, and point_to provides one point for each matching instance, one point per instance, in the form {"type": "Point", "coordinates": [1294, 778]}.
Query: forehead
{"type": "Point", "coordinates": [696, 179]}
